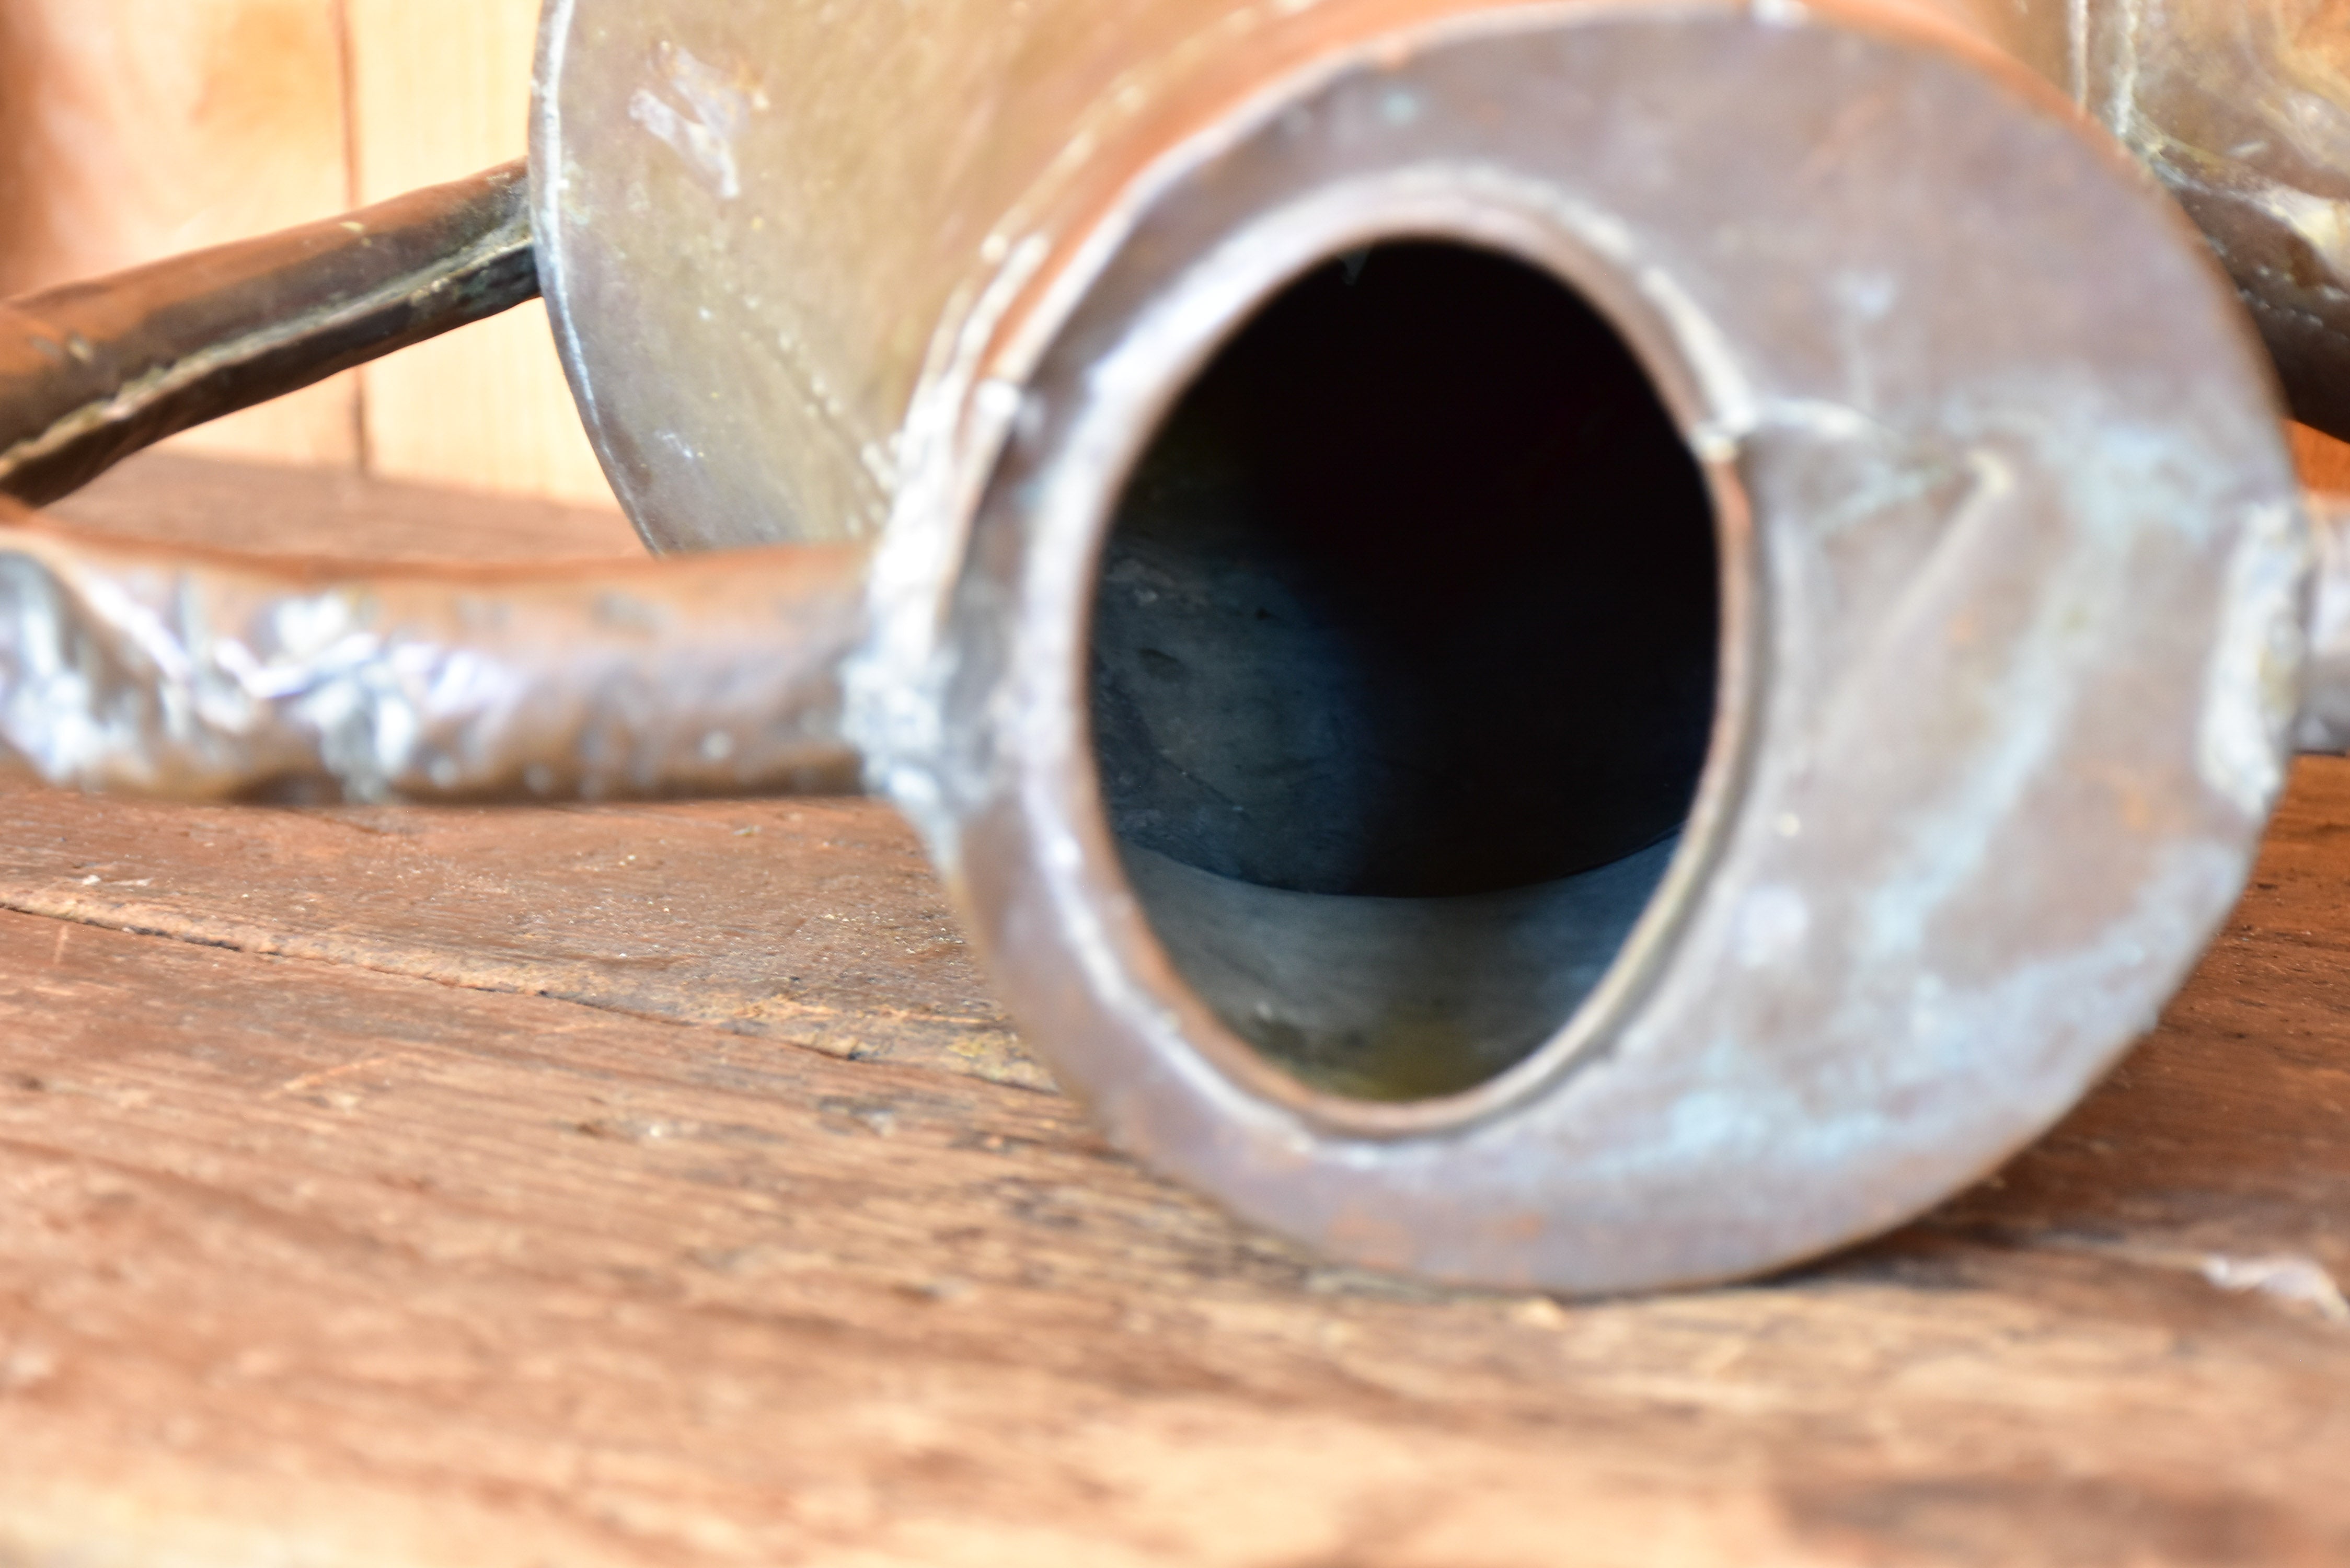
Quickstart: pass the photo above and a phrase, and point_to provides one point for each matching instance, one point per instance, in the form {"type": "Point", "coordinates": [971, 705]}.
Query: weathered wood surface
{"type": "Point", "coordinates": [664, 912]}
{"type": "Point", "coordinates": [335, 1229]}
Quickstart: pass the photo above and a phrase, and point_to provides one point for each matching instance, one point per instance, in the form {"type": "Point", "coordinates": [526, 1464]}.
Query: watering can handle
{"type": "Point", "coordinates": [207, 674]}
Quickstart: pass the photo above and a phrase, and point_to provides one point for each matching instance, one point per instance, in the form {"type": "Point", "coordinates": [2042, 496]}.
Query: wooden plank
{"type": "Point", "coordinates": [2325, 462]}
{"type": "Point", "coordinates": [408, 892]}
{"type": "Point", "coordinates": [441, 88]}
{"type": "Point", "coordinates": [816, 923]}
{"type": "Point", "coordinates": [347, 1267]}
{"type": "Point", "coordinates": [132, 129]}
{"type": "Point", "coordinates": [682, 922]}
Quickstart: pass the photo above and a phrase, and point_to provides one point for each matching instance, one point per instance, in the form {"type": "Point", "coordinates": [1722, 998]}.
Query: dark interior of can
{"type": "Point", "coordinates": [1404, 666]}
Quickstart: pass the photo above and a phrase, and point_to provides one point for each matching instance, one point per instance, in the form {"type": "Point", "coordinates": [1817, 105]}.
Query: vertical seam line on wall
{"type": "Point", "coordinates": [353, 197]}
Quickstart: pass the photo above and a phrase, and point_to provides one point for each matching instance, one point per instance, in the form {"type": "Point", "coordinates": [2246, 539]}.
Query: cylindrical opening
{"type": "Point", "coordinates": [1403, 668]}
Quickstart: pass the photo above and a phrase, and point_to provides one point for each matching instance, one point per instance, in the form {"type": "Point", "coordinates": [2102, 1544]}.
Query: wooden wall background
{"type": "Point", "coordinates": [133, 129]}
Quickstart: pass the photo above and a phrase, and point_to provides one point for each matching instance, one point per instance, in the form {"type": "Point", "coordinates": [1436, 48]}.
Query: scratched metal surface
{"type": "Point", "coordinates": [2243, 108]}
{"type": "Point", "coordinates": [841, 205]}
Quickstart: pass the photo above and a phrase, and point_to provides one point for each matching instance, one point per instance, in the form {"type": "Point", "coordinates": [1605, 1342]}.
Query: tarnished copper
{"type": "Point", "coordinates": [1919, 473]}
{"type": "Point", "coordinates": [171, 672]}
{"type": "Point", "coordinates": [2324, 723]}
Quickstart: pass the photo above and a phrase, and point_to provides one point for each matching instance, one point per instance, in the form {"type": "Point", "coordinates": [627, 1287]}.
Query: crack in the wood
{"type": "Point", "coordinates": [947, 1056]}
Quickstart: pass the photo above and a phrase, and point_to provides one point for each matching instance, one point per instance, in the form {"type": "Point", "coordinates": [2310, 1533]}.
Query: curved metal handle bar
{"type": "Point", "coordinates": [177, 672]}
{"type": "Point", "coordinates": [93, 371]}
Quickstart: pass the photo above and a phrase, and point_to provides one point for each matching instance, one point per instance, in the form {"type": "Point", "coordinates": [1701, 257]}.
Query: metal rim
{"type": "Point", "coordinates": [1129, 389]}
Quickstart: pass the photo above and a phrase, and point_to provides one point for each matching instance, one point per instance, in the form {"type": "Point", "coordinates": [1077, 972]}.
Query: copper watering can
{"type": "Point", "coordinates": [1588, 646]}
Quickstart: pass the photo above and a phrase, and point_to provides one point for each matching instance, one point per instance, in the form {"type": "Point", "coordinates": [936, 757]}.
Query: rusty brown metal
{"type": "Point", "coordinates": [188, 674]}
{"type": "Point", "coordinates": [1959, 601]}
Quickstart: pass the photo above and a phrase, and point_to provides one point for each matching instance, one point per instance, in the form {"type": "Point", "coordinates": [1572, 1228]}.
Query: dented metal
{"type": "Point", "coordinates": [2009, 591]}
{"type": "Point", "coordinates": [2242, 108]}
{"type": "Point", "coordinates": [194, 675]}
{"type": "Point", "coordinates": [167, 672]}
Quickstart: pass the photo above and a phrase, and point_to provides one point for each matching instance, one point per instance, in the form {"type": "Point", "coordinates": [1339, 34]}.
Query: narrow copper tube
{"type": "Point", "coordinates": [191, 674]}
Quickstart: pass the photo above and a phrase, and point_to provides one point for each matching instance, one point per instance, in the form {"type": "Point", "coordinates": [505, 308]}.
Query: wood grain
{"type": "Point", "coordinates": [2323, 461]}
{"type": "Point", "coordinates": [359, 1267]}
{"type": "Point", "coordinates": [441, 89]}
{"type": "Point", "coordinates": [133, 130]}
{"type": "Point", "coordinates": [815, 922]}
{"type": "Point", "coordinates": [879, 971]}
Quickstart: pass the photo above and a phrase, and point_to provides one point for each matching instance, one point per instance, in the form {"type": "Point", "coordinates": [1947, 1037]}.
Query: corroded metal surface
{"type": "Point", "coordinates": [167, 672]}
{"type": "Point", "coordinates": [179, 673]}
{"type": "Point", "coordinates": [2009, 586]}
{"type": "Point", "coordinates": [92, 372]}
